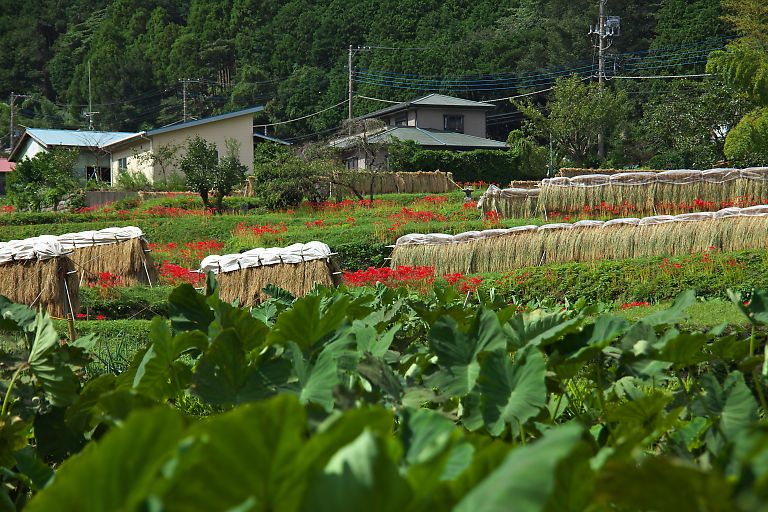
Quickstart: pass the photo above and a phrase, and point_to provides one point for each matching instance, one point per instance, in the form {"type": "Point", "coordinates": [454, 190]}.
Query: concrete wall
{"type": "Point", "coordinates": [474, 120]}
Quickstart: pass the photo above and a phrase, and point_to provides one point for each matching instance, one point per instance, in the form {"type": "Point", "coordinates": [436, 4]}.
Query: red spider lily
{"type": "Point", "coordinates": [453, 278]}
{"type": "Point", "coordinates": [7, 209]}
{"type": "Point", "coordinates": [346, 204]}
{"type": "Point", "coordinates": [81, 316]}
{"type": "Point", "coordinates": [258, 230]}
{"type": "Point", "coordinates": [171, 211]}
{"type": "Point", "coordinates": [85, 209]}
{"type": "Point", "coordinates": [635, 304]}
{"type": "Point", "coordinates": [470, 284]}
{"type": "Point", "coordinates": [104, 280]}
{"type": "Point", "coordinates": [318, 223]}
{"type": "Point", "coordinates": [175, 274]}
{"type": "Point", "coordinates": [392, 277]}
{"type": "Point", "coordinates": [435, 199]}
{"type": "Point", "coordinates": [100, 317]}
{"type": "Point", "coordinates": [470, 205]}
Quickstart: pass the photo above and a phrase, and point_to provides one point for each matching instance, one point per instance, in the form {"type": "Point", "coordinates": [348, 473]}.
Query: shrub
{"type": "Point", "coordinates": [43, 180]}
{"type": "Point", "coordinates": [281, 179]}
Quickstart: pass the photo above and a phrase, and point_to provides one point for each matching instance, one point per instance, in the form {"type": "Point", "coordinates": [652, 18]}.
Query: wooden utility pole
{"type": "Point", "coordinates": [349, 85]}
{"type": "Point", "coordinates": [12, 101]}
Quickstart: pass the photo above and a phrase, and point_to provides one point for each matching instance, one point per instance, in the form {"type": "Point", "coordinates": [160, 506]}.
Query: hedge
{"type": "Point", "coordinates": [492, 166]}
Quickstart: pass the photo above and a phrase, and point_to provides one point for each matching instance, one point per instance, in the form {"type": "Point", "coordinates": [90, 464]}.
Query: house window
{"type": "Point", "coordinates": [453, 123]}
{"type": "Point", "coordinates": [122, 164]}
{"type": "Point", "coordinates": [102, 174]}
{"type": "Point", "coordinates": [401, 120]}
{"type": "Point", "coordinates": [352, 163]}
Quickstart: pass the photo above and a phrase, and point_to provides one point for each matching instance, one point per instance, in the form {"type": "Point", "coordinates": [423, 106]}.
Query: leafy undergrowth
{"type": "Point", "coordinates": [352, 397]}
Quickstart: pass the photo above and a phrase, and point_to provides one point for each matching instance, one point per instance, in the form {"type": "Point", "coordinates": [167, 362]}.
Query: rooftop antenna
{"type": "Point", "coordinates": [90, 112]}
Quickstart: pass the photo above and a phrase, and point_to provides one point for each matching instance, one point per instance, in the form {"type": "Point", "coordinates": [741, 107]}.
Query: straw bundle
{"type": "Point", "coordinates": [731, 229]}
{"type": "Point", "coordinates": [666, 192]}
{"type": "Point", "coordinates": [41, 283]}
{"type": "Point", "coordinates": [510, 202]}
{"type": "Point", "coordinates": [128, 260]}
{"type": "Point", "coordinates": [399, 183]}
{"type": "Point", "coordinates": [296, 268]}
{"type": "Point", "coordinates": [246, 285]}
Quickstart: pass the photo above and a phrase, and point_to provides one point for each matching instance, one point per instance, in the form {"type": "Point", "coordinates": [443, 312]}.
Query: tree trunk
{"type": "Point", "coordinates": [204, 197]}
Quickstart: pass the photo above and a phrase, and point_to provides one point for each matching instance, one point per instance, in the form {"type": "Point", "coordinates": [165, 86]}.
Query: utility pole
{"type": "Point", "coordinates": [90, 112]}
{"type": "Point", "coordinates": [349, 85]}
{"type": "Point", "coordinates": [607, 27]}
{"type": "Point", "coordinates": [184, 97]}
{"type": "Point", "coordinates": [12, 101]}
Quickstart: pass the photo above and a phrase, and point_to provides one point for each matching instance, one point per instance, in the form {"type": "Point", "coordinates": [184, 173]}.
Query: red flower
{"type": "Point", "coordinates": [81, 316]}
{"type": "Point", "coordinates": [100, 317]}
{"type": "Point", "coordinates": [635, 305]}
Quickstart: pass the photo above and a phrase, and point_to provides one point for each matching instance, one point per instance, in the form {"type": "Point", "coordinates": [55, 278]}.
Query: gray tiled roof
{"type": "Point", "coordinates": [430, 138]}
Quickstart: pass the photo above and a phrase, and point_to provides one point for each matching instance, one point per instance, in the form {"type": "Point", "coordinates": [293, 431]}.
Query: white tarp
{"type": "Point", "coordinates": [441, 238]}
{"type": "Point", "coordinates": [100, 237]}
{"type": "Point", "coordinates": [675, 177]}
{"type": "Point", "coordinates": [294, 254]}
{"type": "Point", "coordinates": [40, 247]}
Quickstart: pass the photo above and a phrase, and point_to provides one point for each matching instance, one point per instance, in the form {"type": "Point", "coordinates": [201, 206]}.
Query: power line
{"type": "Point", "coordinates": [302, 117]}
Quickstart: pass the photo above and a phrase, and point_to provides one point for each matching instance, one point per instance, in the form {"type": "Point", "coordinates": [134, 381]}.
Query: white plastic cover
{"type": "Point", "coordinates": [100, 237]}
{"type": "Point", "coordinates": [675, 177]}
{"type": "Point", "coordinates": [41, 247]}
{"type": "Point", "coordinates": [439, 238]}
{"type": "Point", "coordinates": [294, 254]}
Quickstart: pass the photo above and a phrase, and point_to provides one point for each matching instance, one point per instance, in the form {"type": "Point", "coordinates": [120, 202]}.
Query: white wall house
{"type": "Point", "coordinates": [141, 151]}
{"type": "Point", "coordinates": [434, 121]}
{"type": "Point", "coordinates": [93, 162]}
{"type": "Point", "coordinates": [105, 154]}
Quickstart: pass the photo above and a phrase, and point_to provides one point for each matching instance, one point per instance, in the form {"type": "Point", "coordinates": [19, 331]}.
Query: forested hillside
{"type": "Point", "coordinates": [292, 56]}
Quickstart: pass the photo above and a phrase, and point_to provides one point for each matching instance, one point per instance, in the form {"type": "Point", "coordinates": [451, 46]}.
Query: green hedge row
{"type": "Point", "coordinates": [492, 166]}
{"type": "Point", "coordinates": [648, 279]}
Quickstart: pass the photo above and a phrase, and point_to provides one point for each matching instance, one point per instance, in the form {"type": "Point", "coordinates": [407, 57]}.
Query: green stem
{"type": "Point", "coordinates": [601, 395]}
{"type": "Point", "coordinates": [10, 388]}
{"type": "Point", "coordinates": [760, 393]}
{"type": "Point", "coordinates": [752, 342]}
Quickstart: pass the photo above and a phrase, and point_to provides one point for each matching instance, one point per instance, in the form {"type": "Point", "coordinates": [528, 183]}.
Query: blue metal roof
{"type": "Point", "coordinates": [81, 138]}
{"type": "Point", "coordinates": [205, 120]}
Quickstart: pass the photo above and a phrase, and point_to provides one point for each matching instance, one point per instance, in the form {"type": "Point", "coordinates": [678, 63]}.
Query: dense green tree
{"type": "Point", "coordinates": [228, 174]}
{"type": "Point", "coordinates": [44, 180]}
{"type": "Point", "coordinates": [198, 164]}
{"type": "Point", "coordinates": [744, 65]}
{"type": "Point", "coordinates": [576, 114]}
